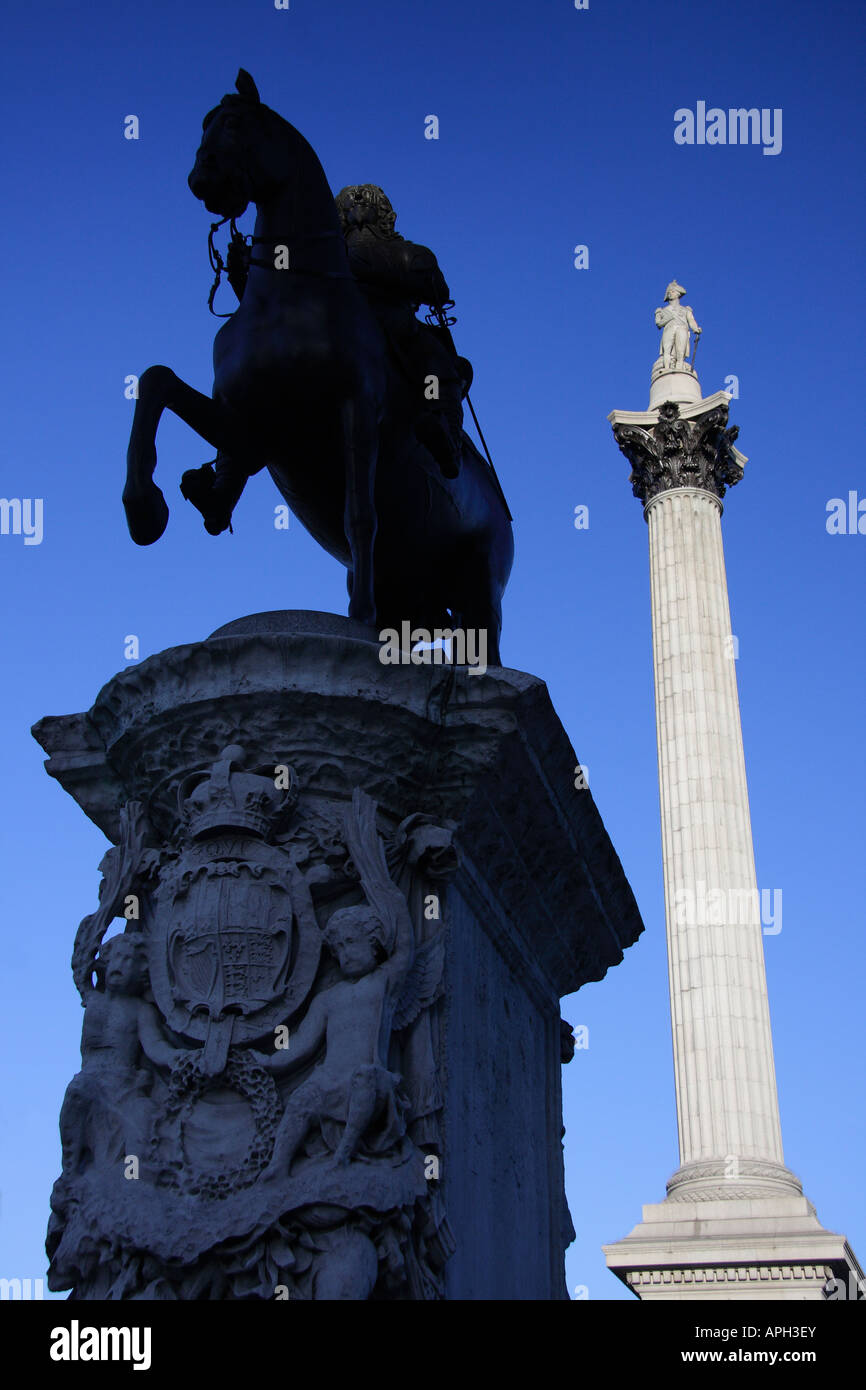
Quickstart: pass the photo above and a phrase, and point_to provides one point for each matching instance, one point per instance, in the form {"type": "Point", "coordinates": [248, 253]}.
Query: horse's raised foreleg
{"type": "Point", "coordinates": [160, 389]}
{"type": "Point", "coordinates": [360, 449]}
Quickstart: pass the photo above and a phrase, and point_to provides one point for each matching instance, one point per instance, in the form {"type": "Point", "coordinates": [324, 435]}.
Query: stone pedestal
{"type": "Point", "coordinates": [678, 384]}
{"type": "Point", "coordinates": [321, 1059]}
{"type": "Point", "coordinates": [721, 1246]}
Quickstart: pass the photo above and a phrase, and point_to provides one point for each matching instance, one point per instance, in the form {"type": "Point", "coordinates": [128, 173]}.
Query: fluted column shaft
{"type": "Point", "coordinates": [727, 1104]}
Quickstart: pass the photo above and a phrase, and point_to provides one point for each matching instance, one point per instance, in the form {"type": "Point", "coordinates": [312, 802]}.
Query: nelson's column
{"type": "Point", "coordinates": [735, 1223]}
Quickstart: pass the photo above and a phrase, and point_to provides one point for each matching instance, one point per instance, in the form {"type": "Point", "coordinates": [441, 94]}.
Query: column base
{"type": "Point", "coordinates": [746, 1248]}
{"type": "Point", "coordinates": [722, 1179]}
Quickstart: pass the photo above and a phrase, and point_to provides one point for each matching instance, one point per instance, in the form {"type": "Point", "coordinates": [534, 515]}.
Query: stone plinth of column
{"type": "Point", "coordinates": [735, 1223]}
{"type": "Point", "coordinates": [678, 384]}
{"type": "Point", "coordinates": [351, 895]}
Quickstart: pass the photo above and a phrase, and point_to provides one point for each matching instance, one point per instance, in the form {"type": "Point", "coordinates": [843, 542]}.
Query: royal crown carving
{"type": "Point", "coordinates": [229, 797]}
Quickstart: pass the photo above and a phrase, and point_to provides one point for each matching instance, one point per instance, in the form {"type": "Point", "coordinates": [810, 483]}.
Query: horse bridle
{"type": "Point", "coordinates": [219, 267]}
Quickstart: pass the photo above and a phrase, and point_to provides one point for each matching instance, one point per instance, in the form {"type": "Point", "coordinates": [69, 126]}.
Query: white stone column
{"type": "Point", "coordinates": [735, 1223]}
{"type": "Point", "coordinates": [723, 1053]}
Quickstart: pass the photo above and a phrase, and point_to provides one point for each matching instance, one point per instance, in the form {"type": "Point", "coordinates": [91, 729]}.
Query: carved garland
{"type": "Point", "coordinates": [246, 1076]}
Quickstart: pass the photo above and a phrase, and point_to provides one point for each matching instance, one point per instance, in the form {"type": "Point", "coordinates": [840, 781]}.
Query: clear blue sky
{"type": "Point", "coordinates": [556, 128]}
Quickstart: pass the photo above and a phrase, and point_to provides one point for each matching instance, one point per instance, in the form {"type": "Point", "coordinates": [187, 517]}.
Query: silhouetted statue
{"type": "Point", "coordinates": [324, 376]}
{"type": "Point", "coordinates": [397, 277]}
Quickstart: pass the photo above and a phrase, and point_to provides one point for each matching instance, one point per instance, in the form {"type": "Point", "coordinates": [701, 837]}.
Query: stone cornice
{"type": "Point", "coordinates": [688, 411]}
{"type": "Point", "coordinates": [748, 1279]}
{"type": "Point", "coordinates": [485, 751]}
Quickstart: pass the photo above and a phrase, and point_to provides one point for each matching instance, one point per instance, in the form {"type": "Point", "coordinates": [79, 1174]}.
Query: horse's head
{"type": "Point", "coordinates": [241, 148]}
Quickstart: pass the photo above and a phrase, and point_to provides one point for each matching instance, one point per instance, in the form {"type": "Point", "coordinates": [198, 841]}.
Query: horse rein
{"type": "Point", "coordinates": [219, 267]}
{"type": "Point", "coordinates": [439, 314]}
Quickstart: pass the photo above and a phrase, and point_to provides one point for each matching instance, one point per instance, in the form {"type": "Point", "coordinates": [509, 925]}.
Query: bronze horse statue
{"type": "Point", "coordinates": [307, 384]}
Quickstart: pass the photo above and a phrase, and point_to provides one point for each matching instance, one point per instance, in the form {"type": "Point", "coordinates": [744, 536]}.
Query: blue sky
{"type": "Point", "coordinates": [556, 129]}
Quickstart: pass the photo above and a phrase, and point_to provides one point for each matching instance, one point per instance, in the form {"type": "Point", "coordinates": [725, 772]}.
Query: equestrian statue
{"type": "Point", "coordinates": [325, 376]}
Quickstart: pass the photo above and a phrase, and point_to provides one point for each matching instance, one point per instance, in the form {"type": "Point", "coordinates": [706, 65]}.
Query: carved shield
{"type": "Point", "coordinates": [231, 933]}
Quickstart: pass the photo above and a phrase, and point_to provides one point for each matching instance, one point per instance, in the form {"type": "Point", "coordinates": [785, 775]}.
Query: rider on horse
{"type": "Point", "coordinates": [397, 277]}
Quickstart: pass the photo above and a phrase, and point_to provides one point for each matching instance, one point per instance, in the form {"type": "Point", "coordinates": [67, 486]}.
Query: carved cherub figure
{"type": "Point", "coordinates": [120, 867]}
{"type": "Point", "coordinates": [106, 1105]}
{"type": "Point", "coordinates": [385, 983]}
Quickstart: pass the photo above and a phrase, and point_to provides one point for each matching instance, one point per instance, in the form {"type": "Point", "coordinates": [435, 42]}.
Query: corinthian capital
{"type": "Point", "coordinates": [696, 452]}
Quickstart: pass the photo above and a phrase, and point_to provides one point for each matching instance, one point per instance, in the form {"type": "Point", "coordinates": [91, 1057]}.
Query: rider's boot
{"type": "Point", "coordinates": [214, 491]}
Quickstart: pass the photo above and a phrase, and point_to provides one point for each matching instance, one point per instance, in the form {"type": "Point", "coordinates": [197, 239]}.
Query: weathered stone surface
{"type": "Point", "coordinates": [392, 863]}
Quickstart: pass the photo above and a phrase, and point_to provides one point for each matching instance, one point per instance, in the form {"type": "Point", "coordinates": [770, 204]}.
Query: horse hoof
{"type": "Point", "coordinates": [146, 515]}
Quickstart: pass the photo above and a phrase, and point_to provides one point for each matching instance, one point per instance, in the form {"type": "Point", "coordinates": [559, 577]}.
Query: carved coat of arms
{"type": "Point", "coordinates": [321, 1149]}
{"type": "Point", "coordinates": [233, 945]}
